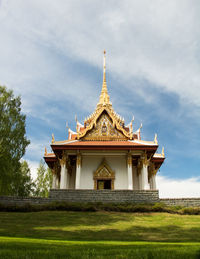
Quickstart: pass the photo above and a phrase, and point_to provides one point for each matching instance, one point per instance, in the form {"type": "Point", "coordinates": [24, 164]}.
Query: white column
{"type": "Point", "coordinates": [153, 172]}
{"type": "Point", "coordinates": [63, 173]}
{"type": "Point", "coordinates": [130, 172]}
{"type": "Point", "coordinates": [54, 181]}
{"type": "Point", "coordinates": [139, 174]}
{"type": "Point", "coordinates": [78, 171]}
{"type": "Point", "coordinates": [153, 181]}
{"type": "Point", "coordinates": [140, 180]}
{"type": "Point", "coordinates": [144, 174]}
{"type": "Point", "coordinates": [57, 183]}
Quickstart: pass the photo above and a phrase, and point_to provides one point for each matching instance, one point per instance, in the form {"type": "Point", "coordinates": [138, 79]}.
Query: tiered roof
{"type": "Point", "coordinates": [104, 129]}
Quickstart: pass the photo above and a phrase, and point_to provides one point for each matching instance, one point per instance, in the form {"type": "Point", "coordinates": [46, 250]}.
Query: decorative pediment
{"type": "Point", "coordinates": [104, 125]}
{"type": "Point", "coordinates": [104, 172]}
{"type": "Point", "coordinates": [104, 130]}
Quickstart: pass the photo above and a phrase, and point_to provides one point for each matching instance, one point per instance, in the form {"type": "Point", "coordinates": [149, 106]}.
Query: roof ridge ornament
{"type": "Point", "coordinates": [53, 139]}
{"type": "Point", "coordinates": [45, 151]}
{"type": "Point", "coordinates": [163, 152]}
{"type": "Point", "coordinates": [155, 139]}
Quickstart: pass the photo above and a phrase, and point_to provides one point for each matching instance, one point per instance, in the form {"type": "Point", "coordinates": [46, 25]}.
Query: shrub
{"type": "Point", "coordinates": [159, 207]}
{"type": "Point", "coordinates": [190, 211]}
{"type": "Point", "coordinates": [98, 206]}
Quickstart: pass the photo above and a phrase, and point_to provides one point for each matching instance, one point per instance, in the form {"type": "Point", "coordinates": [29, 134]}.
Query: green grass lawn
{"type": "Point", "coordinates": [59, 234]}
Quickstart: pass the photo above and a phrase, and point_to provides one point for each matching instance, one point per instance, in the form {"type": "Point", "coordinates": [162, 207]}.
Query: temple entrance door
{"type": "Point", "coordinates": [107, 184]}
{"type": "Point", "coordinates": [104, 184]}
{"type": "Point", "coordinates": [104, 177]}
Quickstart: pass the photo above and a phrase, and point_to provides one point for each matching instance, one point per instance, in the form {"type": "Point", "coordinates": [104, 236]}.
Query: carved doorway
{"type": "Point", "coordinates": [103, 184]}
{"type": "Point", "coordinates": [104, 177]}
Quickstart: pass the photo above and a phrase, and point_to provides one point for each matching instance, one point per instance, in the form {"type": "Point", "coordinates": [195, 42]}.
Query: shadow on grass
{"type": "Point", "coordinates": [160, 234]}
{"type": "Point", "coordinates": [88, 226]}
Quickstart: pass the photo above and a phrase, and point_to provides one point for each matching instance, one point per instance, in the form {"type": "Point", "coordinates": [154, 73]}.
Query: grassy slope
{"type": "Point", "coordinates": [54, 234]}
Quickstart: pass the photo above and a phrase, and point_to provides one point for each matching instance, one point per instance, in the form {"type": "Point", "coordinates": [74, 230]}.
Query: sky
{"type": "Point", "coordinates": [51, 54]}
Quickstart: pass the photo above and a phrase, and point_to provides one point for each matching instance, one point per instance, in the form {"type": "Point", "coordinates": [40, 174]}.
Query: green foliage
{"type": "Point", "coordinates": [43, 181]}
{"type": "Point", "coordinates": [13, 141]}
{"type": "Point", "coordinates": [24, 185]}
{"type": "Point", "coordinates": [190, 211]}
{"type": "Point", "coordinates": [97, 206]}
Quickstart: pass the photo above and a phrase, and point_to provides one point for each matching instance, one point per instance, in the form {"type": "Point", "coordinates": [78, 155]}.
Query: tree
{"type": "Point", "coordinates": [24, 184]}
{"type": "Point", "coordinates": [13, 141]}
{"type": "Point", "coordinates": [43, 181]}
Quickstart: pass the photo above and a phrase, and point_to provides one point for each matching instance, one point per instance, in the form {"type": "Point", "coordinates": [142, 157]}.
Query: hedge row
{"type": "Point", "coordinates": [119, 207]}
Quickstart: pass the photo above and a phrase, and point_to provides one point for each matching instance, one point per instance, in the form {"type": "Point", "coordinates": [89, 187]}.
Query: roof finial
{"type": "Point", "coordinates": [104, 97]}
{"type": "Point", "coordinates": [104, 67]}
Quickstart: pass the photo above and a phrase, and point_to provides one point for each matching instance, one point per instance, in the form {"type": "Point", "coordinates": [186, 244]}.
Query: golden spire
{"type": "Point", "coordinates": [104, 70]}
{"type": "Point", "coordinates": [104, 97]}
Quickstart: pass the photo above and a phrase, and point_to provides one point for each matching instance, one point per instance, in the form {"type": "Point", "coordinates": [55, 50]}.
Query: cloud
{"type": "Point", "coordinates": [33, 165]}
{"type": "Point", "coordinates": [178, 188]}
{"type": "Point", "coordinates": [157, 42]}
{"type": "Point", "coordinates": [35, 150]}
{"type": "Point", "coordinates": [51, 54]}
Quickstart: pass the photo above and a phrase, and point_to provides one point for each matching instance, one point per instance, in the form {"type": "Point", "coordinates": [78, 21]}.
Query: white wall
{"type": "Point", "coordinates": [90, 163]}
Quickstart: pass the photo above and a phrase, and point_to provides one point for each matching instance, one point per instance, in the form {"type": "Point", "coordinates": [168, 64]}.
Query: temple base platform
{"type": "Point", "coordinates": [115, 196]}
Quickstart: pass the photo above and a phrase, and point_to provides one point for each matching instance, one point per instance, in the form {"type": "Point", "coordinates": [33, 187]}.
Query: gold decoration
{"type": "Point", "coordinates": [104, 106]}
{"type": "Point", "coordinates": [78, 160]}
{"type": "Point", "coordinates": [144, 160]}
{"type": "Point", "coordinates": [104, 97]}
{"type": "Point", "coordinates": [104, 172]}
{"type": "Point", "coordinates": [54, 169]}
{"type": "Point", "coordinates": [151, 169]}
{"type": "Point", "coordinates": [57, 169]}
{"type": "Point", "coordinates": [116, 122]}
{"type": "Point", "coordinates": [129, 160]}
{"type": "Point", "coordinates": [53, 139]}
{"type": "Point", "coordinates": [64, 159]}
{"type": "Point", "coordinates": [45, 151]}
{"type": "Point", "coordinates": [104, 130]}
{"type": "Point", "coordinates": [100, 185]}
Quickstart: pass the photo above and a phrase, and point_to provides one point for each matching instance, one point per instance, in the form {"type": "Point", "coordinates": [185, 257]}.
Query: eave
{"type": "Point", "coordinates": [104, 146]}
{"type": "Point", "coordinates": [50, 159]}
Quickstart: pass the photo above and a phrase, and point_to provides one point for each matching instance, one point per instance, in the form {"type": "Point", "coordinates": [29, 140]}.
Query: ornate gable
{"type": "Point", "coordinates": [104, 129]}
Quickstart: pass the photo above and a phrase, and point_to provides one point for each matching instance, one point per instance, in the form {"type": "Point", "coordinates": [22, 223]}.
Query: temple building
{"type": "Point", "coordinates": [104, 153]}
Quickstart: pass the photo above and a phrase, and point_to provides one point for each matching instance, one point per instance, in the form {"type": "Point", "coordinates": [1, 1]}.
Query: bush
{"type": "Point", "coordinates": [190, 211]}
{"type": "Point", "coordinates": [159, 207]}
{"type": "Point", "coordinates": [98, 206]}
